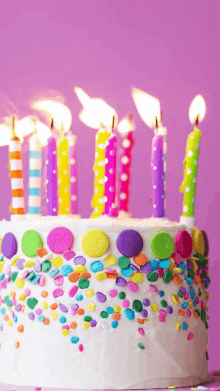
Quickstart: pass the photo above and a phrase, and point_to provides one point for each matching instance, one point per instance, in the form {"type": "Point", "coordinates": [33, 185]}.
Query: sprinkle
{"type": "Point", "coordinates": [188, 313]}
{"type": "Point", "coordinates": [190, 336]}
{"type": "Point", "coordinates": [20, 328]}
{"type": "Point", "coordinates": [153, 288]}
{"type": "Point", "coordinates": [42, 280]}
{"type": "Point", "coordinates": [45, 305]}
{"type": "Point", "coordinates": [46, 266]}
{"type": "Point", "coordinates": [68, 255]}
{"type": "Point", "coordinates": [168, 275]}
{"type": "Point", "coordinates": [31, 316]}
{"type": "Point", "coordinates": [79, 297]}
{"type": "Point", "coordinates": [146, 269]}
{"type": "Point", "coordinates": [184, 326]}
{"type": "Point", "coordinates": [132, 286]}
{"type": "Point", "coordinates": [113, 293]}
{"type": "Point", "coordinates": [137, 305]}
{"type": "Point", "coordinates": [65, 332]}
{"type": "Point", "coordinates": [189, 280]}
{"type": "Point", "coordinates": [127, 272]}
{"type": "Point", "coordinates": [20, 283]}
{"type": "Point", "coordinates": [44, 294]}
{"type": "Point", "coordinates": [137, 278]}
{"type": "Point", "coordinates": [86, 325]}
{"type": "Point", "coordinates": [181, 312]}
{"type": "Point", "coordinates": [104, 314]}
{"type": "Point", "coordinates": [63, 308]}
{"type": "Point", "coordinates": [160, 272]}
{"type": "Point", "coordinates": [177, 279]}
{"type": "Point", "coordinates": [141, 346]}
{"type": "Point", "coordinates": [125, 303]}
{"type": "Point", "coordinates": [154, 264]}
{"type": "Point", "coordinates": [152, 277]}
{"type": "Point", "coordinates": [114, 324]}
{"type": "Point", "coordinates": [146, 302]}
{"type": "Point", "coordinates": [81, 348]}
{"type": "Point", "coordinates": [83, 283]}
{"type": "Point", "coordinates": [101, 297]}
{"type": "Point", "coordinates": [38, 311]}
{"type": "Point", "coordinates": [22, 297]}
{"type": "Point", "coordinates": [140, 259]}
{"type": "Point", "coordinates": [46, 321]}
{"type": "Point", "coordinates": [9, 322]}
{"type": "Point", "coordinates": [89, 293]}
{"type": "Point", "coordinates": [32, 302]}
{"type": "Point", "coordinates": [73, 277]}
{"type": "Point", "coordinates": [117, 308]}
{"type": "Point", "coordinates": [73, 325]}
{"type": "Point", "coordinates": [58, 292]}
{"type": "Point", "coordinates": [174, 298]}
{"type": "Point", "coordinates": [121, 295]}
{"type": "Point", "coordinates": [96, 266]}
{"type": "Point", "coordinates": [164, 303]}
{"type": "Point", "coordinates": [177, 325]}
{"type": "Point", "coordinates": [141, 331]}
{"type": "Point", "coordinates": [162, 318]}
{"type": "Point", "coordinates": [53, 306]}
{"type": "Point", "coordinates": [110, 310]}
{"type": "Point", "coordinates": [54, 272]}
{"type": "Point", "coordinates": [93, 323]}
{"type": "Point", "coordinates": [129, 314]}
{"type": "Point", "coordinates": [123, 262]}
{"type": "Point", "coordinates": [54, 315]}
{"type": "Point", "coordinates": [62, 319]}
{"type": "Point", "coordinates": [80, 269]}
{"type": "Point", "coordinates": [74, 339]}
{"type": "Point", "coordinates": [80, 311]}
{"type": "Point", "coordinates": [110, 260]}
{"type": "Point", "coordinates": [154, 307]}
{"type": "Point", "coordinates": [116, 316]}
{"type": "Point", "coordinates": [66, 270]}
{"type": "Point", "coordinates": [17, 344]}
{"type": "Point", "coordinates": [164, 263]}
{"type": "Point", "coordinates": [79, 260]}
{"type": "Point", "coordinates": [144, 313]}
{"type": "Point", "coordinates": [41, 318]}
{"type": "Point", "coordinates": [101, 276]}
{"type": "Point", "coordinates": [28, 264]}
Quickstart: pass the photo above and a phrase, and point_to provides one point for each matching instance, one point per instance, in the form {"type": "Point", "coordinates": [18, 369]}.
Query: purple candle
{"type": "Point", "coordinates": [158, 175]}
{"type": "Point", "coordinates": [110, 177]}
{"type": "Point", "coordinates": [73, 173]}
{"type": "Point", "coordinates": [51, 170]}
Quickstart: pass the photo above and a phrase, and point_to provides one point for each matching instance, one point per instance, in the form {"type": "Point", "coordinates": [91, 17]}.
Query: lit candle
{"type": "Point", "coordinates": [63, 174]}
{"type": "Point", "coordinates": [157, 174]}
{"type": "Point", "coordinates": [162, 131]}
{"type": "Point", "coordinates": [35, 174]}
{"type": "Point", "coordinates": [188, 187]}
{"type": "Point", "coordinates": [72, 142]}
{"type": "Point", "coordinates": [126, 128]}
{"type": "Point", "coordinates": [110, 209]}
{"type": "Point", "coordinates": [51, 173]}
{"type": "Point", "coordinates": [16, 175]}
{"type": "Point", "coordinates": [98, 200]}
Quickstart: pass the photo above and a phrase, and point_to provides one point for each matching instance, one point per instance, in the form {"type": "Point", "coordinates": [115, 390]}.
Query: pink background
{"type": "Point", "coordinates": [167, 48]}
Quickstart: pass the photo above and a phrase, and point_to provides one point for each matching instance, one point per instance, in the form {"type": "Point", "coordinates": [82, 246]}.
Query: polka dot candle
{"type": "Point", "coordinates": [127, 143]}
{"type": "Point", "coordinates": [63, 175]}
{"type": "Point", "coordinates": [51, 170]}
{"type": "Point", "coordinates": [99, 172]}
{"type": "Point", "coordinates": [73, 173]}
{"type": "Point", "coordinates": [110, 177]}
{"type": "Point", "coordinates": [35, 174]}
{"type": "Point", "coordinates": [158, 175]}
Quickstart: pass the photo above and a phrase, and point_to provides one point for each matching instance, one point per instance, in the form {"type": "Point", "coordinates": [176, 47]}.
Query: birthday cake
{"type": "Point", "coordinates": [103, 303]}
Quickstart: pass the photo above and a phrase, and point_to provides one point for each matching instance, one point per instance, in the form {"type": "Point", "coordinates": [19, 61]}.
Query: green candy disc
{"type": "Point", "coordinates": [31, 241]}
{"type": "Point", "coordinates": [161, 245]}
{"type": "Point", "coordinates": [31, 302]}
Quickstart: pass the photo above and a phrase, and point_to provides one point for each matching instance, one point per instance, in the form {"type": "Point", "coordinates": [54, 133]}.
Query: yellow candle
{"type": "Point", "coordinates": [63, 175]}
{"type": "Point", "coordinates": [99, 172]}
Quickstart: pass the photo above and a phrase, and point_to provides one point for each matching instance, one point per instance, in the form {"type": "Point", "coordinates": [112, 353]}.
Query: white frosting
{"type": "Point", "coordinates": [111, 358]}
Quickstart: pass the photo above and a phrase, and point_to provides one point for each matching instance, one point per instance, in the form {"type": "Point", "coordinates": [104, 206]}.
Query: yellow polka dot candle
{"type": "Point", "coordinates": [99, 171]}
{"type": "Point", "coordinates": [188, 186]}
{"type": "Point", "coordinates": [63, 175]}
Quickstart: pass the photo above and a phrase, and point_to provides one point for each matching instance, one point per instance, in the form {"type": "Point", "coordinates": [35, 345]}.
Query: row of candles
{"type": "Point", "coordinates": [61, 170]}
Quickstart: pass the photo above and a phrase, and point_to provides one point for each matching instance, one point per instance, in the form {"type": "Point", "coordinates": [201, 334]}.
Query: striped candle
{"type": "Point", "coordinates": [35, 175]}
{"type": "Point", "coordinates": [72, 142]}
{"type": "Point", "coordinates": [16, 174]}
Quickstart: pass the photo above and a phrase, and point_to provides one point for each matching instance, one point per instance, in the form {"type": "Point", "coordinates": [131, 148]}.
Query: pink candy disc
{"type": "Point", "coordinates": [73, 291]}
{"type": "Point", "coordinates": [58, 280]}
{"type": "Point", "coordinates": [141, 331]}
{"type": "Point", "coordinates": [184, 243]}
{"type": "Point", "coordinates": [132, 286]}
{"type": "Point", "coordinates": [125, 303]}
{"type": "Point", "coordinates": [58, 292]}
{"type": "Point", "coordinates": [190, 336]}
{"type": "Point", "coordinates": [68, 255]}
{"type": "Point", "coordinates": [42, 280]}
{"type": "Point", "coordinates": [59, 240]}
{"type": "Point", "coordinates": [113, 293]}
{"type": "Point", "coordinates": [153, 288]}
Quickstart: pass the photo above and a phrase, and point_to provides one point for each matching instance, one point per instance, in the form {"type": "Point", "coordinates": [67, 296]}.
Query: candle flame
{"type": "Point", "coordinates": [197, 109]}
{"type": "Point", "coordinates": [147, 106]}
{"type": "Point", "coordinates": [95, 110]}
{"type": "Point", "coordinates": [51, 108]}
{"type": "Point", "coordinates": [125, 126]}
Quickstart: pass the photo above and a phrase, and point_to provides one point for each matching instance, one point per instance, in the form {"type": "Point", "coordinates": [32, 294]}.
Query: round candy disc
{"type": "Point", "coordinates": [31, 242]}
{"type": "Point", "coordinates": [59, 240]}
{"type": "Point", "coordinates": [184, 243]}
{"type": "Point", "coordinates": [206, 241]}
{"type": "Point", "coordinates": [198, 241]}
{"type": "Point", "coordinates": [95, 243]}
{"type": "Point", "coordinates": [129, 243]}
{"type": "Point", "coordinates": [9, 245]}
{"type": "Point", "coordinates": [161, 245]}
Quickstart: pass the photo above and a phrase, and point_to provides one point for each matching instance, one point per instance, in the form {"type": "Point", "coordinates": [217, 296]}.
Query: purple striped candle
{"type": "Point", "coordinates": [73, 173]}
{"type": "Point", "coordinates": [51, 170]}
{"type": "Point", "coordinates": [158, 176]}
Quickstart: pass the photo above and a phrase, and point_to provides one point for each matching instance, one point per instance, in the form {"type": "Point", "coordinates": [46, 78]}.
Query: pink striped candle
{"type": "Point", "coordinates": [110, 209]}
{"type": "Point", "coordinates": [51, 171]}
{"type": "Point", "coordinates": [127, 143]}
{"type": "Point", "coordinates": [72, 142]}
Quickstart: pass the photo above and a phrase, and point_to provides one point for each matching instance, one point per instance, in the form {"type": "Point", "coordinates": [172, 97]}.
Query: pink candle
{"type": "Point", "coordinates": [72, 142]}
{"type": "Point", "coordinates": [51, 168]}
{"type": "Point", "coordinates": [127, 143]}
{"type": "Point", "coordinates": [110, 209]}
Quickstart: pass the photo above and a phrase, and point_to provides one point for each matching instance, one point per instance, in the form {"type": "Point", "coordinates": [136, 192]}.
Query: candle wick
{"type": "Point", "coordinates": [113, 122]}
{"type": "Point", "coordinates": [161, 117]}
{"type": "Point", "coordinates": [13, 127]}
{"type": "Point", "coordinates": [51, 124]}
{"type": "Point", "coordinates": [197, 120]}
{"type": "Point", "coordinates": [156, 122]}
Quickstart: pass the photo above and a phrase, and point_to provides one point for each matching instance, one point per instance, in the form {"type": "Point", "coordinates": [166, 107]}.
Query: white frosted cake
{"type": "Point", "coordinates": [103, 303]}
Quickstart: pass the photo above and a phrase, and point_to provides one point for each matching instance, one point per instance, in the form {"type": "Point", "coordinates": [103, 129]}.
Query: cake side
{"type": "Point", "coordinates": [103, 304]}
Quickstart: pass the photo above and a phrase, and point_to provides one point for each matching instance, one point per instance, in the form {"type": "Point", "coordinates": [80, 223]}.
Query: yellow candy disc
{"type": "Point", "coordinates": [91, 307]}
{"type": "Point", "coordinates": [45, 305]}
{"type": "Point", "coordinates": [175, 299]}
{"type": "Point", "coordinates": [22, 297]}
{"type": "Point", "coordinates": [110, 260]}
{"type": "Point", "coordinates": [137, 278]}
{"type": "Point", "coordinates": [95, 243]}
{"type": "Point", "coordinates": [198, 241]}
{"type": "Point", "coordinates": [190, 304]}
{"type": "Point", "coordinates": [89, 293]}
{"type": "Point", "coordinates": [177, 325]}
{"type": "Point", "coordinates": [57, 262]}
{"type": "Point", "coordinates": [54, 315]}
{"type": "Point", "coordinates": [86, 325]}
{"type": "Point", "coordinates": [10, 323]}
{"type": "Point", "coordinates": [177, 270]}
{"type": "Point", "coordinates": [20, 283]}
{"type": "Point", "coordinates": [154, 307]}
{"type": "Point", "coordinates": [80, 269]}
{"type": "Point", "coordinates": [101, 276]}
{"type": "Point", "coordinates": [28, 264]}
{"type": "Point", "coordinates": [117, 308]}
{"type": "Point", "coordinates": [14, 260]}
{"type": "Point", "coordinates": [65, 332]}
